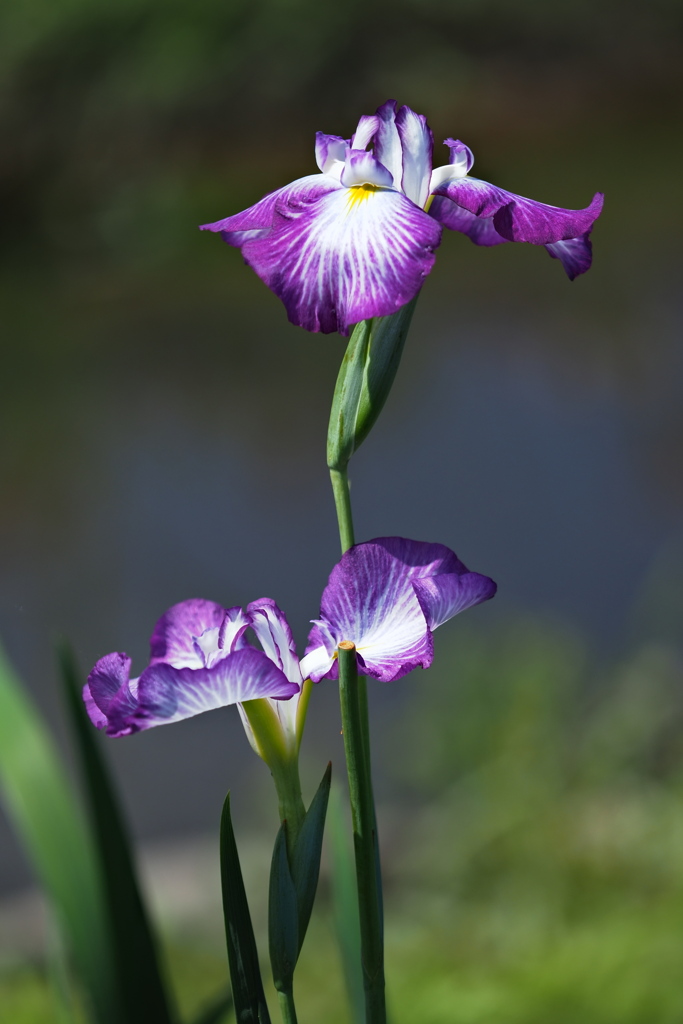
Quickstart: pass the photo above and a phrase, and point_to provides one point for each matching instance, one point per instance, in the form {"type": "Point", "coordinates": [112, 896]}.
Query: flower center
{"type": "Point", "coordinates": [359, 193]}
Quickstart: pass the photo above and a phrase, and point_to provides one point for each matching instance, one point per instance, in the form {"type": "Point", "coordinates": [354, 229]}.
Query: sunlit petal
{"type": "Point", "coordinates": [273, 633]}
{"type": "Point", "coordinates": [519, 219]}
{"type": "Point", "coordinates": [417, 143]}
{"type": "Point", "coordinates": [337, 258]}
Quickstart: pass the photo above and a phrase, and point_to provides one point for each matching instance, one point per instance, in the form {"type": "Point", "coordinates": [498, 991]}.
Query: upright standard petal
{"type": "Point", "coordinates": [337, 258]}
{"type": "Point", "coordinates": [387, 143]}
{"type": "Point", "coordinates": [273, 633]}
{"type": "Point", "coordinates": [372, 599]}
{"type": "Point", "coordinates": [519, 219]}
{"type": "Point", "coordinates": [164, 694]}
{"type": "Point", "coordinates": [330, 151]}
{"type": "Point", "coordinates": [417, 144]}
{"type": "Point", "coordinates": [364, 133]}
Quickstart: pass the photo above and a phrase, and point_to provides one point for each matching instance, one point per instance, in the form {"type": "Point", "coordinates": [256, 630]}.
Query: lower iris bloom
{"type": "Point", "coordinates": [200, 660]}
{"type": "Point", "coordinates": [387, 596]}
{"type": "Point", "coordinates": [358, 239]}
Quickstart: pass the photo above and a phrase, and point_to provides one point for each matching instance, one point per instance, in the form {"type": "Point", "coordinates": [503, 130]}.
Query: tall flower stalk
{"type": "Point", "coordinates": [365, 379]}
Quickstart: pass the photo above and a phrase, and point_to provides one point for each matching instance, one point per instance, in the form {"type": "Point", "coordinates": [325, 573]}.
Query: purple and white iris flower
{"type": "Point", "coordinates": [358, 239]}
{"type": "Point", "coordinates": [387, 596]}
{"type": "Point", "coordinates": [200, 660]}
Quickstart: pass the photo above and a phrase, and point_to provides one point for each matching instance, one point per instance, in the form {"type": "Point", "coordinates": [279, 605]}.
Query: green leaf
{"type": "Point", "coordinates": [50, 823]}
{"type": "Point", "coordinates": [365, 379]}
{"type": "Point", "coordinates": [283, 916]}
{"type": "Point", "coordinates": [305, 865]}
{"type": "Point", "coordinates": [139, 982]}
{"type": "Point", "coordinates": [245, 973]}
{"type": "Point", "coordinates": [345, 905]}
{"type": "Point", "coordinates": [217, 1010]}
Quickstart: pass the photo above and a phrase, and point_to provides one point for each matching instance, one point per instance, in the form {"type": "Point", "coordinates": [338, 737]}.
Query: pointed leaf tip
{"type": "Point", "coordinates": [245, 973]}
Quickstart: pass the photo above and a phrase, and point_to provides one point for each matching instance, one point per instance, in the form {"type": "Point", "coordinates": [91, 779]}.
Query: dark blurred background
{"type": "Point", "coordinates": [162, 432]}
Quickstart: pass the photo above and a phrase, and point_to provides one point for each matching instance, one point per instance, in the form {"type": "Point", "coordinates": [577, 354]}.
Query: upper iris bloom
{"type": "Point", "coordinates": [200, 660]}
{"type": "Point", "coordinates": [357, 240]}
{"type": "Point", "coordinates": [387, 596]}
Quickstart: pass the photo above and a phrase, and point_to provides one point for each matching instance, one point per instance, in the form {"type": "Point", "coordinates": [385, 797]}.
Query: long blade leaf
{"type": "Point", "coordinates": [139, 981]}
{"type": "Point", "coordinates": [305, 865]}
{"type": "Point", "coordinates": [283, 914]}
{"type": "Point", "coordinates": [49, 821]}
{"type": "Point", "coordinates": [245, 973]}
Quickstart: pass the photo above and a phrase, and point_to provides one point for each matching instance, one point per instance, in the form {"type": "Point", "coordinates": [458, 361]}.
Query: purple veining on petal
{"type": "Point", "coordinates": [173, 639]}
{"type": "Point", "coordinates": [361, 168]}
{"type": "Point", "coordinates": [328, 150]}
{"type": "Point", "coordinates": [345, 256]}
{"type": "Point", "coordinates": [519, 219]}
{"type": "Point", "coordinates": [479, 229]}
{"type": "Point", "coordinates": [165, 694]}
{"type": "Point", "coordinates": [387, 596]}
{"type": "Point", "coordinates": [444, 595]}
{"type": "Point", "coordinates": [387, 144]}
{"type": "Point", "coordinates": [257, 220]}
{"type": "Point", "coordinates": [417, 144]}
{"type": "Point", "coordinates": [273, 633]}
{"type": "Point", "coordinates": [110, 694]}
{"type": "Point", "coordinates": [363, 136]}
{"type": "Point", "coordinates": [575, 254]}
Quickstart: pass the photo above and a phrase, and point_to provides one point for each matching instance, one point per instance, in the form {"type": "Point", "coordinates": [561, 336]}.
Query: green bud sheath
{"type": "Point", "coordinates": [365, 378]}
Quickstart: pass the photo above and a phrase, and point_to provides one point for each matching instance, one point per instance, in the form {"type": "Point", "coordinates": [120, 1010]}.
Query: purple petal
{"type": "Point", "coordinates": [443, 596]}
{"type": "Point", "coordinates": [165, 694]}
{"type": "Point", "coordinates": [370, 600]}
{"type": "Point", "coordinates": [417, 144]}
{"type": "Point", "coordinates": [461, 156]}
{"type": "Point", "coordinates": [110, 695]}
{"type": "Point", "coordinates": [386, 596]}
{"type": "Point", "coordinates": [479, 229]}
{"type": "Point", "coordinates": [273, 633]}
{"type": "Point", "coordinates": [387, 146]}
{"type": "Point", "coordinates": [329, 150]}
{"type": "Point", "coordinates": [361, 168]}
{"type": "Point", "coordinates": [367, 126]}
{"type": "Point", "coordinates": [338, 258]}
{"type": "Point", "coordinates": [257, 220]}
{"type": "Point", "coordinates": [175, 635]}
{"type": "Point", "coordinates": [519, 219]}
{"type": "Point", "coordinates": [575, 254]}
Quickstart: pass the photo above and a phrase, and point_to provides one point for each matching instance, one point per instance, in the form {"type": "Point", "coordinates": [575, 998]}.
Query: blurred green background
{"type": "Point", "coordinates": [162, 436]}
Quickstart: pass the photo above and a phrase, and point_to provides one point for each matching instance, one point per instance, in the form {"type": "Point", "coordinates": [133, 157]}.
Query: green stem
{"type": "Point", "coordinates": [342, 501]}
{"type": "Point", "coordinates": [287, 1008]}
{"type": "Point", "coordinates": [355, 730]}
{"type": "Point", "coordinates": [282, 761]}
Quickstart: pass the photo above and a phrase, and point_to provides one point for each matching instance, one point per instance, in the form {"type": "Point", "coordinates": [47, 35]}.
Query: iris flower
{"type": "Point", "coordinates": [387, 596]}
{"type": "Point", "coordinates": [358, 239]}
{"type": "Point", "coordinates": [200, 660]}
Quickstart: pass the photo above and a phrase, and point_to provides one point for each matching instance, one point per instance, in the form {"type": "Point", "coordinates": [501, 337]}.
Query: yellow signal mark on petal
{"type": "Point", "coordinates": [359, 193]}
